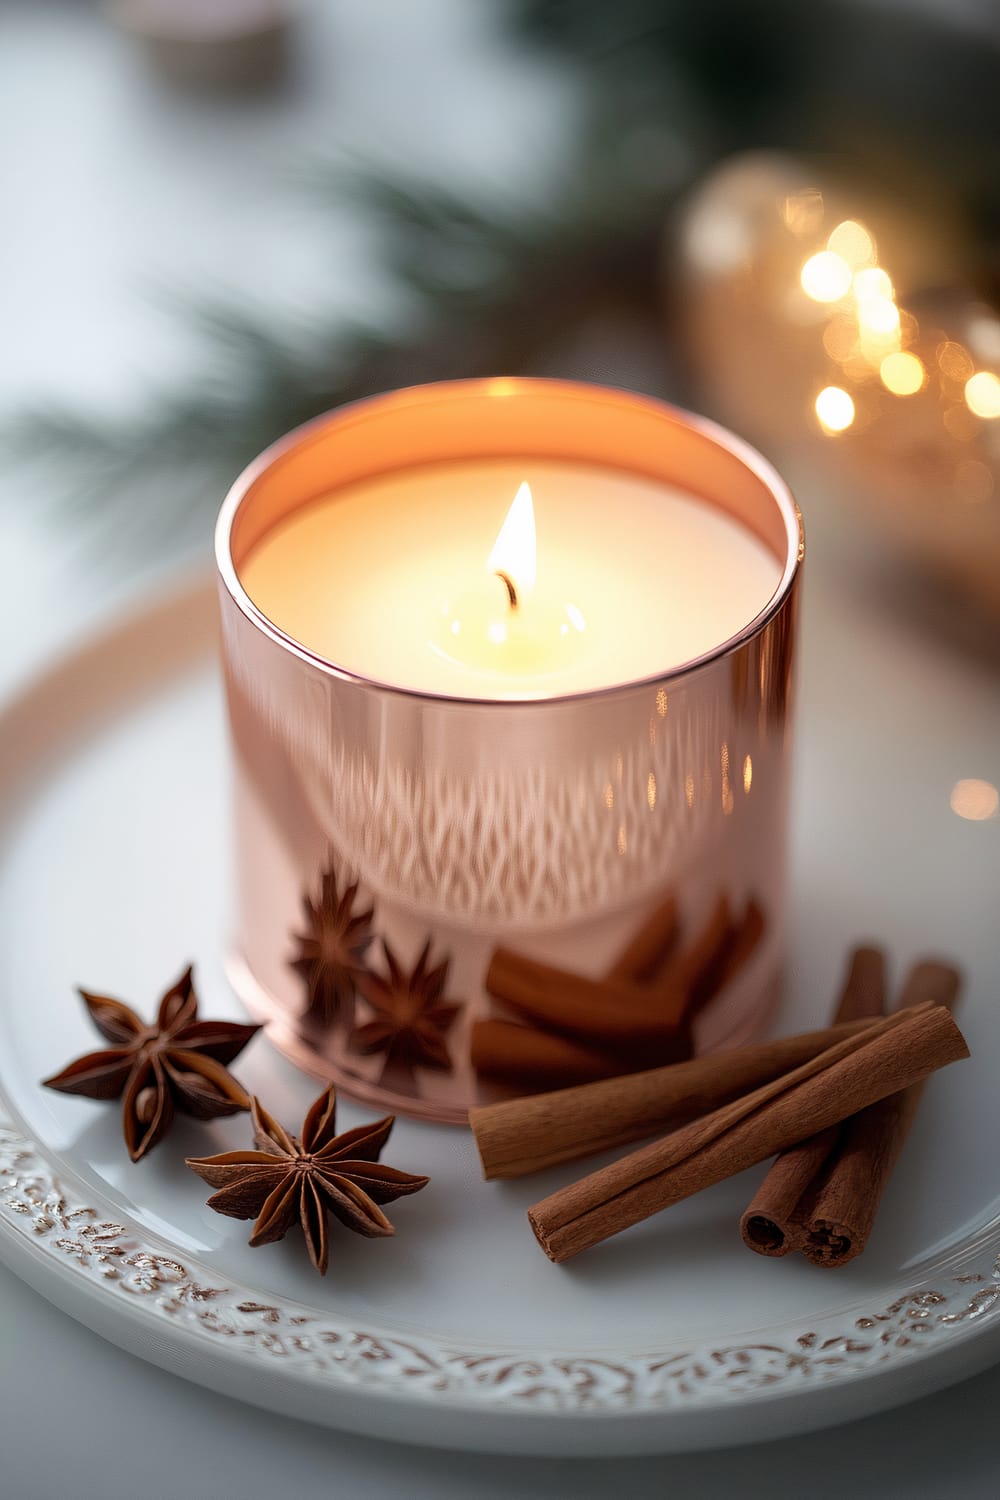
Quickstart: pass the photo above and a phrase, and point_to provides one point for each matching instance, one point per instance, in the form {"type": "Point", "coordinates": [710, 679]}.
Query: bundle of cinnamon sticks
{"type": "Point", "coordinates": [834, 1106]}
{"type": "Point", "coordinates": [564, 1028]}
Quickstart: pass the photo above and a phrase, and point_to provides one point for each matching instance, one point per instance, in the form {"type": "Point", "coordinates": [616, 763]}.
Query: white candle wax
{"type": "Point", "coordinates": [634, 578]}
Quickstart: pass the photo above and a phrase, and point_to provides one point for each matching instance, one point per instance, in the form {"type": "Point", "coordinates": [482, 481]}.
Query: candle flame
{"type": "Point", "coordinates": [514, 551]}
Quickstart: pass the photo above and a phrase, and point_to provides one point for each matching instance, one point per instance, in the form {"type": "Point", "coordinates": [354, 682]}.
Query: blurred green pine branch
{"type": "Point", "coordinates": [672, 87]}
{"type": "Point", "coordinates": [490, 289]}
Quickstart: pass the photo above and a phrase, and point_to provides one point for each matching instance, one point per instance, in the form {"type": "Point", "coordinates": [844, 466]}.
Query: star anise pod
{"type": "Point", "coordinates": [291, 1179]}
{"type": "Point", "coordinates": [411, 1016]}
{"type": "Point", "coordinates": [175, 1064]}
{"type": "Point", "coordinates": [331, 951]}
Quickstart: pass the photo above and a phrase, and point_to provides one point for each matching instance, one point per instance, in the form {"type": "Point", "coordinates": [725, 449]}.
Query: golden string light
{"type": "Point", "coordinates": [902, 374]}
{"type": "Point", "coordinates": [868, 336]}
{"type": "Point", "coordinates": [826, 277]}
{"type": "Point", "coordinates": [835, 409]}
{"type": "Point", "coordinates": [982, 395]}
{"type": "Point", "coordinates": [842, 338]}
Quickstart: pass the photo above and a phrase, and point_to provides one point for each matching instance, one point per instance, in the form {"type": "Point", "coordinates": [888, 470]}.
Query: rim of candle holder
{"type": "Point", "coordinates": [505, 387]}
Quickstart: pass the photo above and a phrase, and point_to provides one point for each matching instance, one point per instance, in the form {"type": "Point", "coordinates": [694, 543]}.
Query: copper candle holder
{"type": "Point", "coordinates": [382, 833]}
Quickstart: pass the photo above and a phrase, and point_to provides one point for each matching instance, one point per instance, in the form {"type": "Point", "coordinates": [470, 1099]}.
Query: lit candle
{"type": "Point", "coordinates": [478, 737]}
{"type": "Point", "coordinates": [393, 579]}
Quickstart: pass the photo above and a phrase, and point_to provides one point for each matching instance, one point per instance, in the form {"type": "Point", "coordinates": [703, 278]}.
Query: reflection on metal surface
{"type": "Point", "coordinates": [975, 800]}
{"type": "Point", "coordinates": [727, 791]}
{"type": "Point", "coordinates": [747, 775]}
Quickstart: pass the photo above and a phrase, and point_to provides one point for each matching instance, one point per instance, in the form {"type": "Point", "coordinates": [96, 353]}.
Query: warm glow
{"type": "Point", "coordinates": [514, 551]}
{"type": "Point", "coordinates": [834, 408]}
{"type": "Point", "coordinates": [840, 338]}
{"type": "Point", "coordinates": [803, 212]}
{"type": "Point", "coordinates": [975, 800]}
{"type": "Point", "coordinates": [903, 374]}
{"type": "Point", "coordinates": [873, 282]}
{"type": "Point", "coordinates": [973, 481]}
{"type": "Point", "coordinates": [826, 277]}
{"type": "Point", "coordinates": [502, 386]}
{"type": "Point", "coordinates": [878, 315]}
{"type": "Point", "coordinates": [852, 242]}
{"type": "Point", "coordinates": [982, 394]}
{"type": "Point", "coordinates": [747, 775]}
{"type": "Point", "coordinates": [954, 361]}
{"type": "Point", "coordinates": [960, 423]}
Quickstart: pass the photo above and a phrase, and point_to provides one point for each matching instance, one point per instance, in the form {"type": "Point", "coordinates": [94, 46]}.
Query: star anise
{"type": "Point", "coordinates": [291, 1179]}
{"type": "Point", "coordinates": [331, 951]}
{"type": "Point", "coordinates": [411, 1017]}
{"type": "Point", "coordinates": [175, 1064]}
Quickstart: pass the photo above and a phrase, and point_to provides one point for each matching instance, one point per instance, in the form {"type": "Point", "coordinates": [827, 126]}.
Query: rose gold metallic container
{"type": "Point", "coordinates": [476, 825]}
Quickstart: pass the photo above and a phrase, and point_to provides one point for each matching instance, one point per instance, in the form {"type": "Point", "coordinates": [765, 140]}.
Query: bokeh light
{"type": "Point", "coordinates": [826, 277]}
{"type": "Point", "coordinates": [852, 242]}
{"type": "Point", "coordinates": [975, 800]}
{"type": "Point", "coordinates": [872, 283]}
{"type": "Point", "coordinates": [803, 212]}
{"type": "Point", "coordinates": [954, 362]}
{"type": "Point", "coordinates": [879, 315]}
{"type": "Point", "coordinates": [902, 374]}
{"type": "Point", "coordinates": [840, 338]}
{"type": "Point", "coordinates": [982, 394]}
{"type": "Point", "coordinates": [835, 409]}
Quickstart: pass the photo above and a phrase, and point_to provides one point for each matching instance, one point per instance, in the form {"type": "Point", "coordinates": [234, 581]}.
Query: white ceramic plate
{"type": "Point", "coordinates": [458, 1332]}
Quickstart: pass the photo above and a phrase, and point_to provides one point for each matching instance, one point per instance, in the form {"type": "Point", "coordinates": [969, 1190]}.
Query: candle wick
{"type": "Point", "coordinates": [508, 584]}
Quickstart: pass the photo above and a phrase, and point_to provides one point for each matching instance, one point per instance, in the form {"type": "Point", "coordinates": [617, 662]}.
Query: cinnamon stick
{"type": "Point", "coordinates": [737, 953]}
{"type": "Point", "coordinates": [643, 954]}
{"type": "Point", "coordinates": [636, 1017]}
{"type": "Point", "coordinates": [696, 974]}
{"type": "Point", "coordinates": [606, 1013]}
{"type": "Point", "coordinates": [612, 1012]}
{"type": "Point", "coordinates": [887, 1056]}
{"type": "Point", "coordinates": [530, 1059]}
{"type": "Point", "coordinates": [520, 1136]}
{"type": "Point", "coordinates": [839, 1211]}
{"type": "Point", "coordinates": [769, 1224]}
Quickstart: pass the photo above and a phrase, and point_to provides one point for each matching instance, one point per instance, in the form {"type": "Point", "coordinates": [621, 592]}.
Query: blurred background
{"type": "Point", "coordinates": [224, 216]}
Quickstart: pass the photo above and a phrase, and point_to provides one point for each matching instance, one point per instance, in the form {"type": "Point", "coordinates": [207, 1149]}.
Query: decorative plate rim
{"type": "Point", "coordinates": [42, 1204]}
